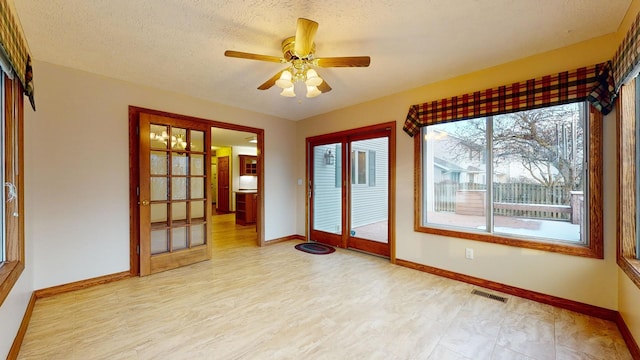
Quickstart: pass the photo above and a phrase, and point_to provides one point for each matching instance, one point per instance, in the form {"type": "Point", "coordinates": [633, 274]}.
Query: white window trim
{"type": "Point", "coordinates": [354, 168]}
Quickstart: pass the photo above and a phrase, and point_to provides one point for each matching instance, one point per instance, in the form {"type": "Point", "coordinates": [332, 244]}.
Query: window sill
{"type": "Point", "coordinates": [9, 274]}
{"type": "Point", "coordinates": [631, 267]}
{"type": "Point", "coordinates": [550, 246]}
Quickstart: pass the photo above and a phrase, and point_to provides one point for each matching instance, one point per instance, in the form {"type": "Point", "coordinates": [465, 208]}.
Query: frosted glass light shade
{"type": "Point", "coordinates": [312, 78]}
{"type": "Point", "coordinates": [312, 91]}
{"type": "Point", "coordinates": [288, 92]}
{"type": "Point", "coordinates": [285, 80]}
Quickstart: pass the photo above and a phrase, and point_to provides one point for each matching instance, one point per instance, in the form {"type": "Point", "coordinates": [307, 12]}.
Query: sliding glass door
{"type": "Point", "coordinates": [350, 189]}
{"type": "Point", "coordinates": [369, 195]}
{"type": "Point", "coordinates": [327, 193]}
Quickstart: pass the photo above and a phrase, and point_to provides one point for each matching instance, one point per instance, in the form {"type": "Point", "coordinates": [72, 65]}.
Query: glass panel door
{"type": "Point", "coordinates": [327, 193]}
{"type": "Point", "coordinates": [174, 200]}
{"type": "Point", "coordinates": [350, 189]}
{"type": "Point", "coordinates": [369, 195]}
{"type": "Point", "coordinates": [369, 189]}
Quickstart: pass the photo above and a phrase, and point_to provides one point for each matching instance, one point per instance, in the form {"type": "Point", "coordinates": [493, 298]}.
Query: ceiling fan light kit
{"type": "Point", "coordinates": [312, 78]}
{"type": "Point", "coordinates": [298, 52]}
{"type": "Point", "coordinates": [285, 80]}
{"type": "Point", "coordinates": [299, 72]}
{"type": "Point", "coordinates": [312, 91]}
{"type": "Point", "coordinates": [288, 92]}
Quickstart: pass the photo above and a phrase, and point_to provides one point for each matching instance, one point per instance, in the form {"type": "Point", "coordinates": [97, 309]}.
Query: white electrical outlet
{"type": "Point", "coordinates": [468, 253]}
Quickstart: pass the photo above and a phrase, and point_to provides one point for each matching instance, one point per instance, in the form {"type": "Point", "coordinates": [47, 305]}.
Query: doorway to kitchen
{"type": "Point", "coordinates": [171, 192]}
{"type": "Point", "coordinates": [234, 185]}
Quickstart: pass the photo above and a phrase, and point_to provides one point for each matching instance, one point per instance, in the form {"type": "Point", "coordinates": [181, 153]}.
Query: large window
{"type": "Point", "coordinates": [519, 179]}
{"type": "Point", "coordinates": [628, 107]}
{"type": "Point", "coordinates": [12, 216]}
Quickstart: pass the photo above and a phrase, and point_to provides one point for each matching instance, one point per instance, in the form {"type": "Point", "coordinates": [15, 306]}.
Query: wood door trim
{"type": "Point", "coordinates": [358, 133]}
{"type": "Point", "coordinates": [354, 135]}
{"type": "Point", "coordinates": [212, 123]}
{"type": "Point", "coordinates": [134, 183]}
{"type": "Point", "coordinates": [326, 237]}
{"type": "Point", "coordinates": [366, 245]}
{"type": "Point", "coordinates": [369, 246]}
{"type": "Point", "coordinates": [134, 175]}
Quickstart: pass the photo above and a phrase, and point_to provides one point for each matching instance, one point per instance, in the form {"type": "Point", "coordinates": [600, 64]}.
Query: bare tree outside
{"type": "Point", "coordinates": [547, 143]}
{"type": "Point", "coordinates": [537, 178]}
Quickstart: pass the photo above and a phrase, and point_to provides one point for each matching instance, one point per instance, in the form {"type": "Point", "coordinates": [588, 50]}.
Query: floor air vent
{"type": "Point", "coordinates": [489, 296]}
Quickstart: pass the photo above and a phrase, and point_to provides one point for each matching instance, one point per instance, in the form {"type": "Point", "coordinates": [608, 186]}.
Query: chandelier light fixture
{"type": "Point", "coordinates": [177, 141]}
{"type": "Point", "coordinates": [299, 71]}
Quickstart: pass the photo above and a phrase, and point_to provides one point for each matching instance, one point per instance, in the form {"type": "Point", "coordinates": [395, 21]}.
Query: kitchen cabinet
{"type": "Point", "coordinates": [246, 203]}
{"type": "Point", "coordinates": [248, 165]}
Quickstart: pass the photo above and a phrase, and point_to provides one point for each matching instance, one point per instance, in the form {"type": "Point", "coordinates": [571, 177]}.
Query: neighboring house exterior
{"type": "Point", "coordinates": [454, 159]}
{"type": "Point", "coordinates": [369, 184]}
{"type": "Point", "coordinates": [446, 172]}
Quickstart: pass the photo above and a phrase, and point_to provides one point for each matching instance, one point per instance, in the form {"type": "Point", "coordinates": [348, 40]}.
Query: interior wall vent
{"type": "Point", "coordinates": [489, 296]}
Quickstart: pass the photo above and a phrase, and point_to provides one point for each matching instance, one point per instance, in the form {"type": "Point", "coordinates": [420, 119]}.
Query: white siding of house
{"type": "Point", "coordinates": [327, 213]}
{"type": "Point", "coordinates": [369, 204]}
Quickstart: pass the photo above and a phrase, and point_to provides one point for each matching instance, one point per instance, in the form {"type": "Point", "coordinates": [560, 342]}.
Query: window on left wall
{"type": "Point", "coordinates": [11, 177]}
{"type": "Point", "coordinates": [628, 117]}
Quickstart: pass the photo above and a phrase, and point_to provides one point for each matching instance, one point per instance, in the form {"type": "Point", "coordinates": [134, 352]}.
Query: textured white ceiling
{"type": "Point", "coordinates": [224, 137]}
{"type": "Point", "coordinates": [178, 45]}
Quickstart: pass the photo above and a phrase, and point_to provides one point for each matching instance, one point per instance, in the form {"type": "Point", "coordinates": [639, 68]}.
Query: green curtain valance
{"type": "Point", "coordinates": [593, 83]}
{"type": "Point", "coordinates": [14, 45]}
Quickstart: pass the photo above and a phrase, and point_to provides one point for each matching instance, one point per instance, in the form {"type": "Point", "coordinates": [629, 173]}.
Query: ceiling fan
{"type": "Point", "coordinates": [298, 52]}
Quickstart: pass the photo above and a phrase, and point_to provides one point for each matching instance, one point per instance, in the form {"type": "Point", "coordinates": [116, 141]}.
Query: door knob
{"type": "Point", "coordinates": [145, 202]}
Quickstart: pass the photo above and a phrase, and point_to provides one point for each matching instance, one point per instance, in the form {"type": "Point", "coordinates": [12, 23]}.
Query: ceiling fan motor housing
{"type": "Point", "coordinates": [288, 52]}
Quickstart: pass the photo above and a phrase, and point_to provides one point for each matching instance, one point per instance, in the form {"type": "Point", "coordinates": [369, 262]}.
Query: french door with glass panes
{"type": "Point", "coordinates": [175, 200]}
{"type": "Point", "coordinates": [350, 176]}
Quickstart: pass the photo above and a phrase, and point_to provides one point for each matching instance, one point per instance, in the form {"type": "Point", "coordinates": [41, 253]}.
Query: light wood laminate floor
{"type": "Point", "coordinates": [276, 302]}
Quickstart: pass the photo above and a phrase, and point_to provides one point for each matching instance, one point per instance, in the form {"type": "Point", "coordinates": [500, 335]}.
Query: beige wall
{"type": "Point", "coordinates": [589, 281]}
{"type": "Point", "coordinates": [629, 296]}
{"type": "Point", "coordinates": [78, 174]}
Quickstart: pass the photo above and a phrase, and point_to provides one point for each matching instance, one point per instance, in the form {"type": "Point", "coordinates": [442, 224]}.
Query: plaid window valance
{"type": "Point", "coordinates": [14, 45]}
{"type": "Point", "coordinates": [593, 83]}
{"type": "Point", "coordinates": [627, 57]}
